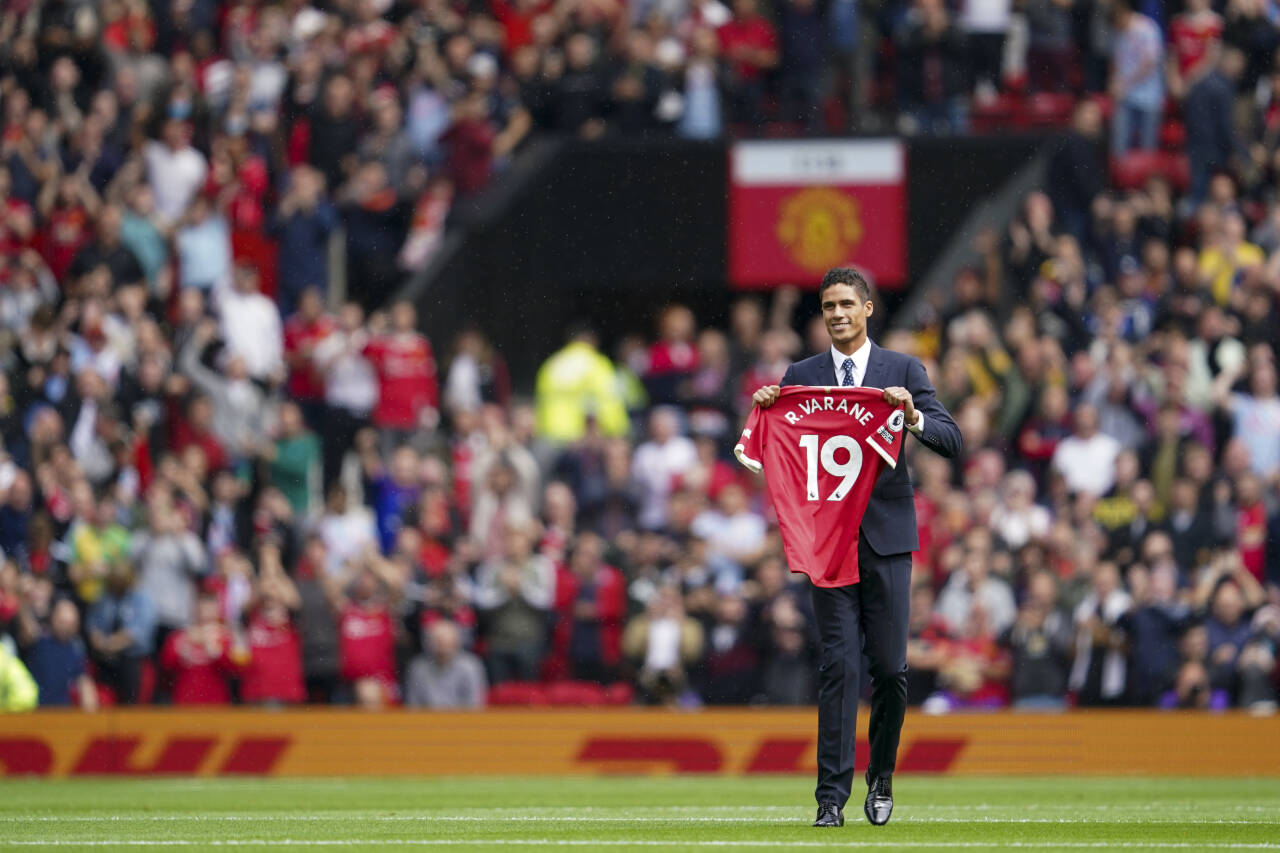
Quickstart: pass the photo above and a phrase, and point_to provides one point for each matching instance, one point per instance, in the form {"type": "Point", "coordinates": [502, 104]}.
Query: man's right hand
{"type": "Point", "coordinates": [766, 396]}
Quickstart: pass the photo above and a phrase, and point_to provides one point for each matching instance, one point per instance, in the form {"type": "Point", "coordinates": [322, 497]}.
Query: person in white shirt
{"type": "Point", "coordinates": [251, 325]}
{"type": "Point", "coordinates": [350, 386]}
{"type": "Point", "coordinates": [1018, 519]}
{"type": "Point", "coordinates": [1086, 459]}
{"type": "Point", "coordinates": [347, 532]}
{"type": "Point", "coordinates": [175, 170]}
{"type": "Point", "coordinates": [732, 530]}
{"type": "Point", "coordinates": [657, 462]}
{"type": "Point", "coordinates": [972, 586]}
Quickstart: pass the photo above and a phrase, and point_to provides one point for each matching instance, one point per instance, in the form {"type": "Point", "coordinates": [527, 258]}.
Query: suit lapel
{"type": "Point", "coordinates": [873, 377]}
{"type": "Point", "coordinates": [827, 371]}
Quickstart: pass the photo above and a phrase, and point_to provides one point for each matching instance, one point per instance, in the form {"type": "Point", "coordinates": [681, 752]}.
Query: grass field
{"type": "Point", "coordinates": [638, 813]}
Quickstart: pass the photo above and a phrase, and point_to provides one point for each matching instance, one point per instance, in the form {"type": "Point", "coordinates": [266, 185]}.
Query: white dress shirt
{"type": "Point", "coordinates": [860, 357]}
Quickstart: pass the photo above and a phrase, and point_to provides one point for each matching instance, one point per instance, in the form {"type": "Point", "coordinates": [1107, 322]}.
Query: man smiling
{"type": "Point", "coordinates": [870, 616]}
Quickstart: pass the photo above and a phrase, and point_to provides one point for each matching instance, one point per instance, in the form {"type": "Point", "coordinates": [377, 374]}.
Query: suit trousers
{"type": "Point", "coordinates": [867, 619]}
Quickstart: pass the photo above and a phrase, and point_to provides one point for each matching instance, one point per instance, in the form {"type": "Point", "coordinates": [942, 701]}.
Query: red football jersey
{"type": "Point", "coordinates": [822, 450]}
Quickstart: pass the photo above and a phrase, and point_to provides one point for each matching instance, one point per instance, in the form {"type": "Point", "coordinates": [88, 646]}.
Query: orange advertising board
{"type": "Point", "coordinates": [316, 742]}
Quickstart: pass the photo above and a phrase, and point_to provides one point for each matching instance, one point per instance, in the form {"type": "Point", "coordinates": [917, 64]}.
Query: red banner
{"type": "Point", "coordinates": [796, 209]}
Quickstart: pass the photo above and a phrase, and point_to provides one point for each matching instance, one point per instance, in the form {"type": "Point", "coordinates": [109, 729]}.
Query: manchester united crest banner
{"type": "Point", "coordinates": [796, 209]}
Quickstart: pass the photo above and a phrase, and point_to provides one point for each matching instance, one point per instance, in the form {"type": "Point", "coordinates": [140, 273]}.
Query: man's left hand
{"type": "Point", "coordinates": [899, 396]}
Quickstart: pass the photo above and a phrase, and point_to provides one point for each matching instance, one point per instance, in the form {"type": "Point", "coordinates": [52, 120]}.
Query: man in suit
{"type": "Point", "coordinates": [870, 616]}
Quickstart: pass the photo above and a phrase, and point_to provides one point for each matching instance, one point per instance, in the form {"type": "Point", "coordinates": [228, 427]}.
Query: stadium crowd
{"type": "Point", "coordinates": [217, 487]}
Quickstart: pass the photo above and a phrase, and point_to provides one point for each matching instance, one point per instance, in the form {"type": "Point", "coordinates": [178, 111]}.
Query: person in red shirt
{"type": "Point", "coordinates": [1251, 526]}
{"type": "Point", "coordinates": [1195, 37]}
{"type": "Point", "coordinates": [202, 658]}
{"type": "Point", "coordinates": [591, 602]}
{"type": "Point", "coordinates": [367, 634]}
{"type": "Point", "coordinates": [273, 674]}
{"type": "Point", "coordinates": [674, 358]}
{"type": "Point", "coordinates": [67, 221]}
{"type": "Point", "coordinates": [409, 392]}
{"type": "Point", "coordinates": [17, 220]}
{"type": "Point", "coordinates": [750, 44]}
{"type": "Point", "coordinates": [304, 329]}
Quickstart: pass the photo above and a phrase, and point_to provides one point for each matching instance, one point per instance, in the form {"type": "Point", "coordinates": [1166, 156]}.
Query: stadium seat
{"type": "Point", "coordinates": [1001, 111]}
{"type": "Point", "coordinates": [1173, 135]}
{"type": "Point", "coordinates": [1132, 169]}
{"type": "Point", "coordinates": [619, 693]}
{"type": "Point", "coordinates": [1104, 104]}
{"type": "Point", "coordinates": [579, 693]}
{"type": "Point", "coordinates": [517, 693]}
{"type": "Point", "coordinates": [1047, 109]}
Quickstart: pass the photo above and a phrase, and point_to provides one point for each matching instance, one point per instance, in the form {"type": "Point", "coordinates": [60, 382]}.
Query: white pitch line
{"type": "Point", "coordinates": [559, 842]}
{"type": "Point", "coordinates": [797, 818]}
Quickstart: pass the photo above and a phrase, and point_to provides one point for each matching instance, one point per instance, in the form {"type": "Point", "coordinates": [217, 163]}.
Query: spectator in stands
{"type": "Point", "coordinates": [293, 461]}
{"type": "Point", "coordinates": [663, 643]}
{"type": "Point", "coordinates": [251, 325]}
{"type": "Point", "coordinates": [576, 384]}
{"type": "Point", "coordinates": [972, 587]}
{"type": "Point", "coordinates": [18, 690]}
{"type": "Point", "coordinates": [1212, 140]}
{"type": "Point", "coordinates": [1040, 643]}
{"type": "Point", "coordinates": [591, 603]}
{"type": "Point", "coordinates": [1152, 626]}
{"type": "Point", "coordinates": [447, 676]}
{"type": "Point", "coordinates": [1049, 44]}
{"type": "Point", "coordinates": [788, 667]}
{"type": "Point", "coordinates": [702, 114]}
{"type": "Point", "coordinates": [1086, 459]}
{"type": "Point", "coordinates": [514, 594]}
{"type": "Point", "coordinates": [202, 657]}
{"type": "Point", "coordinates": [175, 169]}
{"type": "Point", "coordinates": [1137, 85]}
{"type": "Point", "coordinates": [363, 598]}
{"type": "Point", "coordinates": [749, 44]}
{"type": "Point", "coordinates": [408, 390]}
{"type": "Point", "coordinates": [170, 559]}
{"type": "Point", "coordinates": [273, 673]}
{"type": "Point", "coordinates": [303, 222]}
{"type": "Point", "coordinates": [658, 461]}
{"type": "Point", "coordinates": [933, 73]}
{"type": "Point", "coordinates": [121, 628]}
{"type": "Point", "coordinates": [802, 37]}
{"type": "Point", "coordinates": [1098, 674]}
{"type": "Point", "coordinates": [1230, 595]}
{"type": "Point", "coordinates": [1255, 415]}
{"type": "Point", "coordinates": [234, 407]}
{"type": "Point", "coordinates": [1077, 170]}
{"type": "Point", "coordinates": [350, 387]}
{"type": "Point", "coordinates": [57, 659]}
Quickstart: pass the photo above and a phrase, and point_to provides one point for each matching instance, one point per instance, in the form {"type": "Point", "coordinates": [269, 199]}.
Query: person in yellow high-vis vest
{"type": "Point", "coordinates": [18, 691]}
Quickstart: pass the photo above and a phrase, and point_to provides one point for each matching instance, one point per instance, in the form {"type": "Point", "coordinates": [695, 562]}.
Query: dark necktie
{"type": "Point", "coordinates": [847, 367]}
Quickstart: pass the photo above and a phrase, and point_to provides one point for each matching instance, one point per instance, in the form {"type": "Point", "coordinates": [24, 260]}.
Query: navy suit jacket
{"type": "Point", "coordinates": [889, 525]}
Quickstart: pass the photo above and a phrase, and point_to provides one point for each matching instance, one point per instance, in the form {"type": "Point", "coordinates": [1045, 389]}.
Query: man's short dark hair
{"type": "Point", "coordinates": [849, 276]}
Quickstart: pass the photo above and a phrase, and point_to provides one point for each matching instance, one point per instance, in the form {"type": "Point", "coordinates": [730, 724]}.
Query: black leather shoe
{"type": "Point", "coordinates": [829, 814]}
{"type": "Point", "coordinates": [879, 805]}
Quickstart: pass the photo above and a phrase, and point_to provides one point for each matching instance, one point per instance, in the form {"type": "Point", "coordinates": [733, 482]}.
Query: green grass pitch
{"type": "Point", "coordinates": [610, 813]}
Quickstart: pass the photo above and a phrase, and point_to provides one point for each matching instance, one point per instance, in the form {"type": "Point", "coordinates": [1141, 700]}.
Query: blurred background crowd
{"type": "Point", "coordinates": [219, 483]}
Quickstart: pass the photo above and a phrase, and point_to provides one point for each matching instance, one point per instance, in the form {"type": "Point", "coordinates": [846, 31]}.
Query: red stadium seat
{"type": "Point", "coordinates": [1048, 109]}
{"type": "Point", "coordinates": [517, 693]}
{"type": "Point", "coordinates": [1001, 111]}
{"type": "Point", "coordinates": [1131, 170]}
{"type": "Point", "coordinates": [619, 693]}
{"type": "Point", "coordinates": [575, 693]}
{"type": "Point", "coordinates": [1173, 135]}
{"type": "Point", "coordinates": [1104, 103]}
